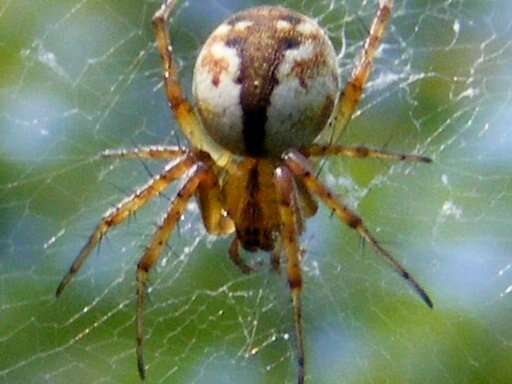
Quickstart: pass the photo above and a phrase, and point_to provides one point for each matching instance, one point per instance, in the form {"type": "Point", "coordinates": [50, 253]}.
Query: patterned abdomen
{"type": "Point", "coordinates": [265, 81]}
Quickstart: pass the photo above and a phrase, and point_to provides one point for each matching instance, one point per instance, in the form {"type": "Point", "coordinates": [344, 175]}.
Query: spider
{"type": "Point", "coordinates": [267, 93]}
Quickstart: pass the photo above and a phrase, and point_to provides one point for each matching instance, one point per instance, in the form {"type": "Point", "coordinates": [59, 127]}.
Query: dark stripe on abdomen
{"type": "Point", "coordinates": [260, 54]}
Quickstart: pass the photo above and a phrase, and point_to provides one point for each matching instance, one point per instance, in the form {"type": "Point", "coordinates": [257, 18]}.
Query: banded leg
{"type": "Point", "coordinates": [178, 102]}
{"type": "Point", "coordinates": [127, 207]}
{"type": "Point", "coordinates": [351, 94]}
{"type": "Point", "coordinates": [360, 152]}
{"type": "Point", "coordinates": [180, 106]}
{"type": "Point", "coordinates": [155, 247]}
{"type": "Point", "coordinates": [300, 166]}
{"type": "Point", "coordinates": [283, 180]}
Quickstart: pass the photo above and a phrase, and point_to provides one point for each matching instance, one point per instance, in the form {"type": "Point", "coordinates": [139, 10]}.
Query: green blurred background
{"type": "Point", "coordinates": [81, 76]}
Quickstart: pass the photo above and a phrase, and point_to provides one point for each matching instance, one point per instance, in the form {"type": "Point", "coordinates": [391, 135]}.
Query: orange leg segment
{"type": "Point", "coordinates": [351, 94]}
{"type": "Point", "coordinates": [154, 250]}
{"type": "Point", "coordinates": [180, 106]}
{"type": "Point", "coordinates": [300, 166]}
{"type": "Point", "coordinates": [287, 194]}
{"type": "Point", "coordinates": [127, 207]}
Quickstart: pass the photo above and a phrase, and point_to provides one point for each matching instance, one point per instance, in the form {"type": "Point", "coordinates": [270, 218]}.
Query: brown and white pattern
{"type": "Point", "coordinates": [265, 81]}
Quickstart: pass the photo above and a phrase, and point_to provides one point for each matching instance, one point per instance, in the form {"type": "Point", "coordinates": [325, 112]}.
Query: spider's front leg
{"type": "Point", "coordinates": [127, 207]}
{"type": "Point", "coordinates": [200, 173]}
{"type": "Point", "coordinates": [180, 106]}
{"type": "Point", "coordinates": [351, 94]}
{"type": "Point", "coordinates": [178, 102]}
{"type": "Point", "coordinates": [300, 166]}
{"type": "Point", "coordinates": [288, 204]}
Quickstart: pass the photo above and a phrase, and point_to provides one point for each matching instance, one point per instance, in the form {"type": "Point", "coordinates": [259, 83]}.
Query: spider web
{"type": "Point", "coordinates": [81, 76]}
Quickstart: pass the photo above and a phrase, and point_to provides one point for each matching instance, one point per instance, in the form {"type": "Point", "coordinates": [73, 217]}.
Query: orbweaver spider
{"type": "Point", "coordinates": [266, 90]}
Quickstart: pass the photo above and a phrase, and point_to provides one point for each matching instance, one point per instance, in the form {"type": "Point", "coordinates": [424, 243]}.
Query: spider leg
{"type": "Point", "coordinates": [307, 204]}
{"type": "Point", "coordinates": [122, 211]}
{"type": "Point", "coordinates": [146, 152]}
{"type": "Point", "coordinates": [275, 256]}
{"type": "Point", "coordinates": [234, 255]}
{"type": "Point", "coordinates": [180, 106]}
{"type": "Point", "coordinates": [212, 210]}
{"type": "Point", "coordinates": [283, 180]}
{"type": "Point", "coordinates": [153, 251]}
{"type": "Point", "coordinates": [317, 150]}
{"type": "Point", "coordinates": [351, 94]}
{"type": "Point", "coordinates": [300, 166]}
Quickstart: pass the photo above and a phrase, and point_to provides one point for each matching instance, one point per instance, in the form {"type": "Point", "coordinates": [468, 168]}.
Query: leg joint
{"type": "Point", "coordinates": [295, 282]}
{"type": "Point", "coordinates": [142, 267]}
{"type": "Point", "coordinates": [354, 221]}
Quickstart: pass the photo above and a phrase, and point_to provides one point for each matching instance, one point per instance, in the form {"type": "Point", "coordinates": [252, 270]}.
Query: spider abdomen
{"type": "Point", "coordinates": [265, 81]}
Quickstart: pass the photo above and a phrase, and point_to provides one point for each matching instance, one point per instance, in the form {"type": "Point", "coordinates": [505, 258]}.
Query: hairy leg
{"type": "Point", "coordinates": [359, 152]}
{"type": "Point", "coordinates": [283, 180]}
{"type": "Point", "coordinates": [300, 166]}
{"type": "Point", "coordinates": [127, 207]}
{"type": "Point", "coordinates": [180, 106]}
{"type": "Point", "coordinates": [351, 94]}
{"type": "Point", "coordinates": [154, 250]}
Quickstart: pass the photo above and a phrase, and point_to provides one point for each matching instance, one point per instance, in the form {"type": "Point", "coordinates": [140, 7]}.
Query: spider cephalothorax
{"type": "Point", "coordinates": [266, 85]}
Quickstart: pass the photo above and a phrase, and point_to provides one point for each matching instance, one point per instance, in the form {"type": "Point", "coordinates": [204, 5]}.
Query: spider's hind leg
{"type": "Point", "coordinates": [126, 208]}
